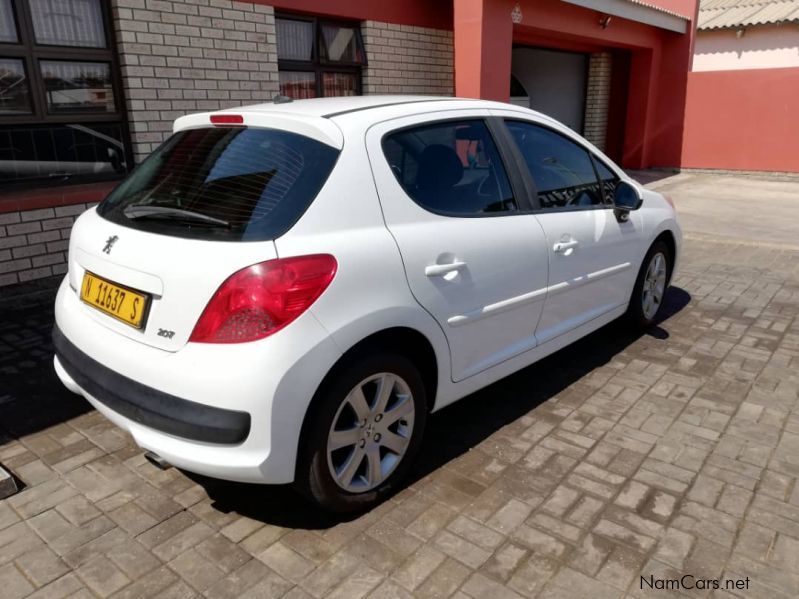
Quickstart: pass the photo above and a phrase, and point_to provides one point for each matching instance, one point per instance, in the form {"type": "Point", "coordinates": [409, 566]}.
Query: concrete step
{"type": "Point", "coordinates": [8, 486]}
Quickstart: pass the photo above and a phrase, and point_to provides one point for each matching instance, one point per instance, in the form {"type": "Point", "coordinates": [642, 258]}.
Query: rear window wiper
{"type": "Point", "coordinates": [135, 212]}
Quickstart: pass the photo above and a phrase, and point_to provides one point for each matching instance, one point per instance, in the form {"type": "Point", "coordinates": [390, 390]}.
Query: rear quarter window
{"type": "Point", "coordinates": [227, 184]}
{"type": "Point", "coordinates": [452, 168]}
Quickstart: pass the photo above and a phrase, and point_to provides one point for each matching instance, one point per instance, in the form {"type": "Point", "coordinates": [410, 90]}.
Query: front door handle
{"type": "Point", "coordinates": [439, 270]}
{"type": "Point", "coordinates": [562, 246]}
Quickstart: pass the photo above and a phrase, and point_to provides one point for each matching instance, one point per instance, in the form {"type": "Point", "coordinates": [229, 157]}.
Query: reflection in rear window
{"type": "Point", "coordinates": [223, 183]}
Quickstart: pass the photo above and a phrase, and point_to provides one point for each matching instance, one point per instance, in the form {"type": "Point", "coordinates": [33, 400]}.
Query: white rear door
{"type": "Point", "coordinates": [473, 260]}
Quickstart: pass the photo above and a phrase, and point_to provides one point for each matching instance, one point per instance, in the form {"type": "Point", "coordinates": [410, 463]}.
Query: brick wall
{"type": "Point", "coordinates": [597, 98]}
{"type": "Point", "coordinates": [182, 56]}
{"type": "Point", "coordinates": [34, 243]}
{"type": "Point", "coordinates": [407, 60]}
{"type": "Point", "coordinates": [35, 226]}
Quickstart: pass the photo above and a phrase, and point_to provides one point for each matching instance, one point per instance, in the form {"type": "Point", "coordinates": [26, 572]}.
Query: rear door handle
{"type": "Point", "coordinates": [562, 246]}
{"type": "Point", "coordinates": [439, 270]}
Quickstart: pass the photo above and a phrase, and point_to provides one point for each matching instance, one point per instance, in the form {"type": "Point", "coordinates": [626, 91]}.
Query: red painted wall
{"type": "Point", "coordinates": [47, 197]}
{"type": "Point", "coordinates": [617, 107]}
{"type": "Point", "coordinates": [742, 120]}
{"type": "Point", "coordinates": [482, 42]}
{"type": "Point", "coordinates": [668, 101]}
{"type": "Point", "coordinates": [422, 13]}
{"type": "Point", "coordinates": [568, 22]}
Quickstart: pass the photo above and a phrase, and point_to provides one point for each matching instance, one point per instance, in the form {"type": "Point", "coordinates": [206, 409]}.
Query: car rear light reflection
{"type": "Point", "coordinates": [261, 299]}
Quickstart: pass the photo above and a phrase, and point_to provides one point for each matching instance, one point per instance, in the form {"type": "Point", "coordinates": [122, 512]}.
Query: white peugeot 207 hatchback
{"type": "Point", "coordinates": [283, 292]}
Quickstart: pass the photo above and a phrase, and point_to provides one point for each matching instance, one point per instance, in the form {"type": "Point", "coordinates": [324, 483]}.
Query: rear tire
{"type": "Point", "coordinates": [364, 430]}
{"type": "Point", "coordinates": [650, 287]}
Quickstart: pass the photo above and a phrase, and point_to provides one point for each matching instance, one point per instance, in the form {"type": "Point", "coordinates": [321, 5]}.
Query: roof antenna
{"type": "Point", "coordinates": [281, 99]}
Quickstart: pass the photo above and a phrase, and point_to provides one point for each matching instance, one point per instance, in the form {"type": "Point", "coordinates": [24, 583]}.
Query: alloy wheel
{"type": "Point", "coordinates": [370, 432]}
{"type": "Point", "coordinates": [654, 286]}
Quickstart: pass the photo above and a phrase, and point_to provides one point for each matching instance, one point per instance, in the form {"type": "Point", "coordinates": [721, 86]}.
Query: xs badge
{"type": "Point", "coordinates": [110, 243]}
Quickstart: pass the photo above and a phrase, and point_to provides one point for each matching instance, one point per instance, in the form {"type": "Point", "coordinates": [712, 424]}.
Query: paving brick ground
{"type": "Point", "coordinates": [672, 453]}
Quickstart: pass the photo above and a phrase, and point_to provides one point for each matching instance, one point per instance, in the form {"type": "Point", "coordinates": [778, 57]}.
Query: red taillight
{"type": "Point", "coordinates": [227, 119]}
{"type": "Point", "coordinates": [263, 298]}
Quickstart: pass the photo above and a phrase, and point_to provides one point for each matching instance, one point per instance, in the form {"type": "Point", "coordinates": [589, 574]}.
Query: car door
{"type": "Point", "coordinates": [475, 258]}
{"type": "Point", "coordinates": [591, 253]}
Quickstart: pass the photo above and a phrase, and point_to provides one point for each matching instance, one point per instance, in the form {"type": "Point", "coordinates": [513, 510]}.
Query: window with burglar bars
{"type": "Point", "coordinates": [61, 110]}
{"type": "Point", "coordinates": [318, 57]}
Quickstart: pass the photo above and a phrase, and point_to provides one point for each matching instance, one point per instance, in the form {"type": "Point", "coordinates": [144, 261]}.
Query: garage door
{"type": "Point", "coordinates": [554, 82]}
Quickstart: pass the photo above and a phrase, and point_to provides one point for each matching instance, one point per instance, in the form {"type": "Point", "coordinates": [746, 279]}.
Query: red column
{"type": "Point", "coordinates": [667, 136]}
{"type": "Point", "coordinates": [483, 32]}
{"type": "Point", "coordinates": [640, 106]}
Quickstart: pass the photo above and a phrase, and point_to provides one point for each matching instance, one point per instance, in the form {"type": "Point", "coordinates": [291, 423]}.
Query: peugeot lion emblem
{"type": "Point", "coordinates": [110, 243]}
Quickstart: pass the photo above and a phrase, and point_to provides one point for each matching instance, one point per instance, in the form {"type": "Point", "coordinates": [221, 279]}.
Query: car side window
{"type": "Point", "coordinates": [561, 169]}
{"type": "Point", "coordinates": [607, 177]}
{"type": "Point", "coordinates": [451, 168]}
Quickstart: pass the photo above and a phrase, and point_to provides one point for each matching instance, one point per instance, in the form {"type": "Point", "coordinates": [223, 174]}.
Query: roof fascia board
{"type": "Point", "coordinates": [628, 9]}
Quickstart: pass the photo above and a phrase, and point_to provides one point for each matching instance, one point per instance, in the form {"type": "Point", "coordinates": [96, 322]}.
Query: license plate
{"type": "Point", "coordinates": [122, 303]}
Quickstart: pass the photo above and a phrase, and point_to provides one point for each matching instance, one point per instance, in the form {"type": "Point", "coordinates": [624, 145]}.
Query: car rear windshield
{"type": "Point", "coordinates": [226, 184]}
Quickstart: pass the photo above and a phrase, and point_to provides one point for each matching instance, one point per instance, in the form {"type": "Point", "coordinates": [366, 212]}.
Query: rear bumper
{"type": "Point", "coordinates": [147, 406]}
{"type": "Point", "coordinates": [144, 391]}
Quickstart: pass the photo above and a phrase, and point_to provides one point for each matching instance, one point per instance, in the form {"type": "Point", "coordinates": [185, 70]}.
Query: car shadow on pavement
{"type": "Point", "coordinates": [32, 398]}
{"type": "Point", "coordinates": [646, 177]}
{"type": "Point", "coordinates": [459, 427]}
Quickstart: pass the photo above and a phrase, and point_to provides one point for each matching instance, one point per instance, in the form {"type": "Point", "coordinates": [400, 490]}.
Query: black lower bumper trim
{"type": "Point", "coordinates": [148, 406]}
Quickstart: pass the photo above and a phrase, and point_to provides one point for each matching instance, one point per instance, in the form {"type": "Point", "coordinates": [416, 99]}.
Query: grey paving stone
{"type": "Point", "coordinates": [669, 455]}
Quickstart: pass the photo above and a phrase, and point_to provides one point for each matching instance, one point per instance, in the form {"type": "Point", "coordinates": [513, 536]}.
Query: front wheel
{"type": "Point", "coordinates": [650, 286]}
{"type": "Point", "coordinates": [363, 433]}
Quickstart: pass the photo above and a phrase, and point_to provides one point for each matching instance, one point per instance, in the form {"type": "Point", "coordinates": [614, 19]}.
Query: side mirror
{"type": "Point", "coordinates": [625, 198]}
